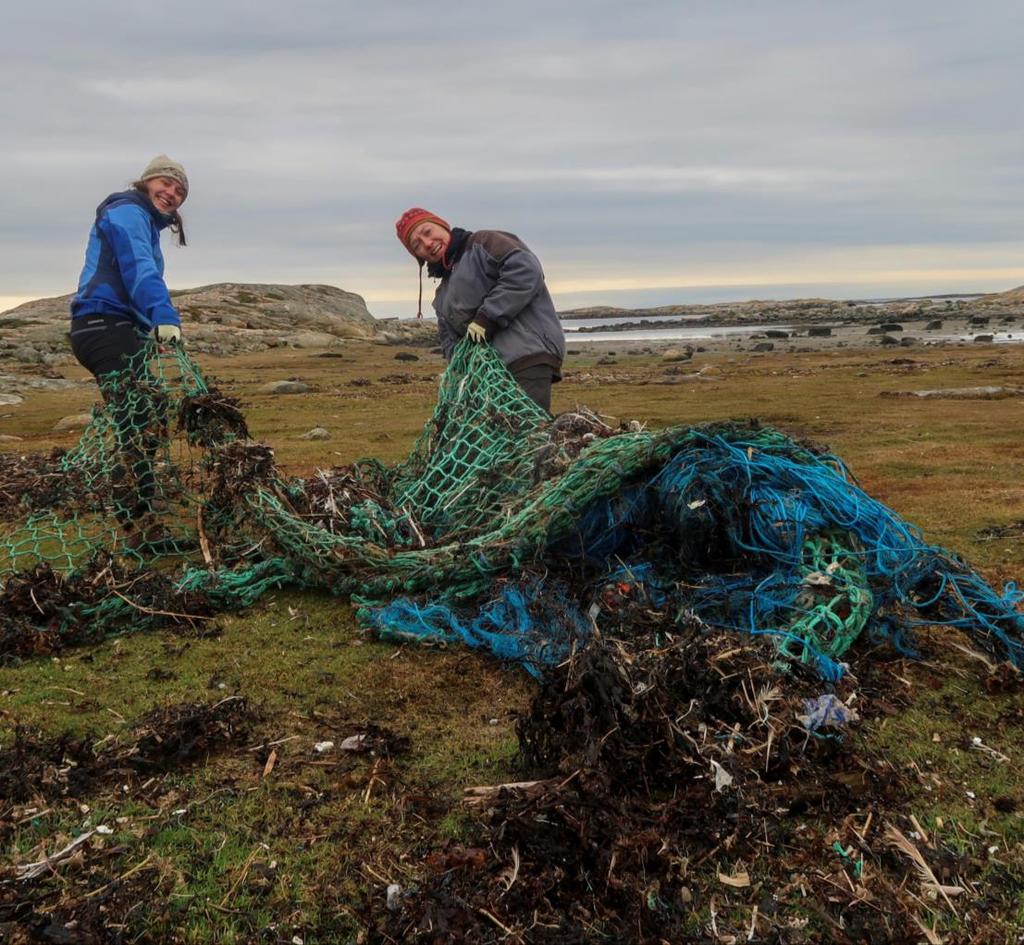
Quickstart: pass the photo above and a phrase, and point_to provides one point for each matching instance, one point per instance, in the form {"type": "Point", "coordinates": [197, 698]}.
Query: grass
{"type": "Point", "coordinates": [238, 849]}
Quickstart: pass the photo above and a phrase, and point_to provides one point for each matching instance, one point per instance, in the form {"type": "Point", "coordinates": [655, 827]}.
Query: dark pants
{"type": "Point", "coordinates": [108, 346]}
{"type": "Point", "coordinates": [536, 382]}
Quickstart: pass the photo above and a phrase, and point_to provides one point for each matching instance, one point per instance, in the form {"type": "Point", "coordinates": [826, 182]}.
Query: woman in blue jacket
{"type": "Point", "coordinates": [121, 300]}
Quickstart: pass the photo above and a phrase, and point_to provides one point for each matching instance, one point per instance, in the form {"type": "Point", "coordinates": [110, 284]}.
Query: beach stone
{"type": "Point", "coordinates": [819, 331]}
{"type": "Point", "coordinates": [908, 342]}
{"type": "Point", "coordinates": [710, 370]}
{"type": "Point", "coordinates": [891, 326]}
{"type": "Point", "coordinates": [935, 325]}
{"type": "Point", "coordinates": [406, 356]}
{"type": "Point", "coordinates": [284, 387]}
{"type": "Point", "coordinates": [875, 330]}
{"type": "Point", "coordinates": [959, 393]}
{"type": "Point", "coordinates": [677, 354]}
{"type": "Point", "coordinates": [317, 433]}
{"type": "Point", "coordinates": [776, 333]}
{"type": "Point", "coordinates": [984, 339]}
{"type": "Point", "coordinates": [312, 339]}
{"type": "Point", "coordinates": [888, 340]}
{"type": "Point", "coordinates": [27, 355]}
{"type": "Point", "coordinates": [978, 320]}
{"type": "Point", "coordinates": [764, 346]}
{"type": "Point", "coordinates": [75, 421]}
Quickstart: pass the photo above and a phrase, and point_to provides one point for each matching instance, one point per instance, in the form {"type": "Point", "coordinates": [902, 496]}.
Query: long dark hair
{"type": "Point", "coordinates": [177, 223]}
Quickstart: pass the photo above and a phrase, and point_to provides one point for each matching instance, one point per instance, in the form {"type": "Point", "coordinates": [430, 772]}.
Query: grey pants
{"type": "Point", "coordinates": [536, 382]}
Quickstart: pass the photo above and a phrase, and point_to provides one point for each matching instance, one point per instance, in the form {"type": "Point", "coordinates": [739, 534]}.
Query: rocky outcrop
{"type": "Point", "coordinates": [226, 318]}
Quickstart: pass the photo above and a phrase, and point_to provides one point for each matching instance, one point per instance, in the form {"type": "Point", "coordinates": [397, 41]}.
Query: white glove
{"type": "Point", "coordinates": [476, 333]}
{"type": "Point", "coordinates": [167, 334]}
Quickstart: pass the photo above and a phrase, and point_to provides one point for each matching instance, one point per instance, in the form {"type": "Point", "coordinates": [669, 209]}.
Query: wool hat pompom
{"type": "Point", "coordinates": [163, 166]}
{"type": "Point", "coordinates": [411, 219]}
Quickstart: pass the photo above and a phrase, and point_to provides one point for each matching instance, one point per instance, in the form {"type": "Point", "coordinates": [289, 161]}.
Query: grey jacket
{"type": "Point", "coordinates": [498, 283]}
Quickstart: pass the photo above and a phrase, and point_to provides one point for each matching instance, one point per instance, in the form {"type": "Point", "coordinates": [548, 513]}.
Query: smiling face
{"type": "Point", "coordinates": [165, 193]}
{"type": "Point", "coordinates": [428, 241]}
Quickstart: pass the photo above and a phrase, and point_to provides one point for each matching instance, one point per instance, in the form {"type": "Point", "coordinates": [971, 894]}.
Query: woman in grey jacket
{"type": "Point", "coordinates": [492, 290]}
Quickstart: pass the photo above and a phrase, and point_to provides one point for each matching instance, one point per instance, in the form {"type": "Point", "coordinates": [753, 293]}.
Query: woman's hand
{"type": "Point", "coordinates": [167, 335]}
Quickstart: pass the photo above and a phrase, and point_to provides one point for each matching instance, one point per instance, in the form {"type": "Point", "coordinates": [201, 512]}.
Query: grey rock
{"type": "Point", "coordinates": [284, 387]}
{"type": "Point", "coordinates": [984, 339]}
{"type": "Point", "coordinates": [934, 325]}
{"type": "Point", "coordinates": [764, 346]}
{"type": "Point", "coordinates": [75, 421]}
{"type": "Point", "coordinates": [819, 331]}
{"type": "Point", "coordinates": [312, 339]}
{"type": "Point", "coordinates": [908, 342]}
{"type": "Point", "coordinates": [672, 355]}
{"type": "Point", "coordinates": [891, 326]}
{"type": "Point", "coordinates": [888, 340]}
{"type": "Point", "coordinates": [27, 355]}
{"type": "Point", "coordinates": [776, 333]}
{"type": "Point", "coordinates": [406, 356]}
{"type": "Point", "coordinates": [10, 400]}
{"type": "Point", "coordinates": [317, 433]}
{"type": "Point", "coordinates": [959, 393]}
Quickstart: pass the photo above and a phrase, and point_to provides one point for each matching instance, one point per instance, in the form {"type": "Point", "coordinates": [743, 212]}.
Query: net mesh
{"type": "Point", "coordinates": [504, 529]}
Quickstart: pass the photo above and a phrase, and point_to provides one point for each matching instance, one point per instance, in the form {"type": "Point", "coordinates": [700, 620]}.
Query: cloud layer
{"type": "Point", "coordinates": [655, 150]}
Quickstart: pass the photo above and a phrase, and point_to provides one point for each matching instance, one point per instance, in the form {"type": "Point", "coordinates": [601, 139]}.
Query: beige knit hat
{"type": "Point", "coordinates": [163, 166]}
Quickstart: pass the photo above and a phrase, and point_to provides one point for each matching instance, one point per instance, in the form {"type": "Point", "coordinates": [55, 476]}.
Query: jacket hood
{"type": "Point", "coordinates": [160, 220]}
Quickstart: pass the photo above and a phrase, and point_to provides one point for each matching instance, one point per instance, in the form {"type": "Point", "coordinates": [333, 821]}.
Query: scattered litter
{"type": "Point", "coordinates": [827, 711]}
{"type": "Point", "coordinates": [323, 747]}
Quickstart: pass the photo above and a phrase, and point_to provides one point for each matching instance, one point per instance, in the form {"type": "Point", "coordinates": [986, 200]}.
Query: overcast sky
{"type": "Point", "coordinates": [648, 152]}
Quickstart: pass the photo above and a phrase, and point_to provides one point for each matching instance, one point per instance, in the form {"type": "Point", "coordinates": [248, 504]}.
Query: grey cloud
{"type": "Point", "coordinates": [610, 136]}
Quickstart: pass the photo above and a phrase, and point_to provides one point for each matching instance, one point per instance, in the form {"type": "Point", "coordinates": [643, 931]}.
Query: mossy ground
{"type": "Point", "coordinates": [242, 848]}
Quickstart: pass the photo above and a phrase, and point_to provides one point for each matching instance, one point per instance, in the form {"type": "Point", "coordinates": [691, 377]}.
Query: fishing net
{"type": "Point", "coordinates": [504, 529]}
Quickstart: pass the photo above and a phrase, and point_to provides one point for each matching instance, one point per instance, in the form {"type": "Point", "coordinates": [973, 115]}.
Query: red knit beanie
{"type": "Point", "coordinates": [412, 218]}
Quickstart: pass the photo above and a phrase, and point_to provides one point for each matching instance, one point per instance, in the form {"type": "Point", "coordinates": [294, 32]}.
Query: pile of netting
{"type": "Point", "coordinates": [504, 529]}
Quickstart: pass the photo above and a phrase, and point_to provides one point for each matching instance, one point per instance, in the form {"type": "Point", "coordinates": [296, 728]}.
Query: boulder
{"type": "Point", "coordinates": [283, 387]}
{"type": "Point", "coordinates": [890, 326]}
{"type": "Point", "coordinates": [984, 339]}
{"type": "Point", "coordinates": [317, 433]}
{"type": "Point", "coordinates": [76, 421]}
{"type": "Point", "coordinates": [312, 339]}
{"type": "Point", "coordinates": [672, 355]}
{"type": "Point", "coordinates": [406, 356]}
{"type": "Point", "coordinates": [819, 331]}
{"type": "Point", "coordinates": [764, 346]}
{"type": "Point", "coordinates": [934, 325]}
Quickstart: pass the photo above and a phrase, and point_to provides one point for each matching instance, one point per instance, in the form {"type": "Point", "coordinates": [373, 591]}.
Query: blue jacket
{"type": "Point", "coordinates": [124, 268]}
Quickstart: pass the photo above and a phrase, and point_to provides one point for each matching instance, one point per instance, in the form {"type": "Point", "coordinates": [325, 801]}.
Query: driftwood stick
{"type": "Point", "coordinates": [484, 796]}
